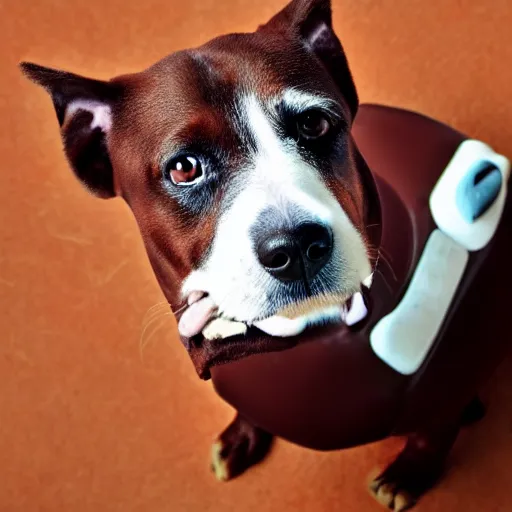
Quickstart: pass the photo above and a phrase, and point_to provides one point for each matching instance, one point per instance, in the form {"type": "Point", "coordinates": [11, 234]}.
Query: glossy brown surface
{"type": "Point", "coordinates": [84, 424]}
{"type": "Point", "coordinates": [331, 391]}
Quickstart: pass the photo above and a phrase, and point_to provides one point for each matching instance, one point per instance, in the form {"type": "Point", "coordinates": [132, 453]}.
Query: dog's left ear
{"type": "Point", "coordinates": [311, 22]}
{"type": "Point", "coordinates": [84, 110]}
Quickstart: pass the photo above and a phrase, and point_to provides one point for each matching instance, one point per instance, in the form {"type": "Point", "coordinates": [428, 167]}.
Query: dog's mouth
{"type": "Point", "coordinates": [202, 317]}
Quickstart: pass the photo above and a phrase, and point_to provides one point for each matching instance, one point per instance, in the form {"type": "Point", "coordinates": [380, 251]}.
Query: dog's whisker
{"type": "Point", "coordinates": [180, 309]}
{"type": "Point", "coordinates": [159, 313]}
{"type": "Point", "coordinates": [378, 253]}
{"type": "Point", "coordinates": [388, 286]}
{"type": "Point", "coordinates": [383, 251]}
{"type": "Point", "coordinates": [159, 308]}
{"type": "Point", "coordinates": [157, 304]}
{"type": "Point", "coordinates": [148, 321]}
{"type": "Point", "coordinates": [143, 343]}
{"type": "Point", "coordinates": [155, 308]}
{"type": "Point", "coordinates": [388, 263]}
{"type": "Point", "coordinates": [179, 312]}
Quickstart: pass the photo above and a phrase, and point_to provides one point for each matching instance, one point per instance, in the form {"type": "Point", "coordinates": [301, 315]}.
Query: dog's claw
{"type": "Point", "coordinates": [386, 494]}
{"type": "Point", "coordinates": [403, 501]}
{"type": "Point", "coordinates": [390, 496]}
{"type": "Point", "coordinates": [219, 465]}
{"type": "Point", "coordinates": [239, 447]}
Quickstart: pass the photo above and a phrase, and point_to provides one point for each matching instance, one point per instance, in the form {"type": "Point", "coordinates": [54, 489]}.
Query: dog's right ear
{"type": "Point", "coordinates": [311, 22]}
{"type": "Point", "coordinates": [84, 111]}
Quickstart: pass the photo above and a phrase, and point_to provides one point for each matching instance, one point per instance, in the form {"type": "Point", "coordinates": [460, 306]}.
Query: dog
{"type": "Point", "coordinates": [237, 161]}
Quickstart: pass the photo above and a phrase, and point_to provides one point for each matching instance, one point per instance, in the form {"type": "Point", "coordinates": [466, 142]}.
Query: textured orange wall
{"type": "Point", "coordinates": [85, 424]}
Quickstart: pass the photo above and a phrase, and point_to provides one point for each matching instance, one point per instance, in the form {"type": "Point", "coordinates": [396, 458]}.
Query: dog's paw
{"type": "Point", "coordinates": [219, 462]}
{"type": "Point", "coordinates": [391, 495]}
{"type": "Point", "coordinates": [239, 447]}
{"type": "Point", "coordinates": [415, 471]}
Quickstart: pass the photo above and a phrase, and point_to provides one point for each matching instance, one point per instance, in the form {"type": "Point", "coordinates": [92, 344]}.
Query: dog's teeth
{"type": "Point", "coordinates": [357, 310]}
{"type": "Point", "coordinates": [220, 328]}
{"type": "Point", "coordinates": [281, 326]}
{"type": "Point", "coordinates": [196, 316]}
{"type": "Point", "coordinates": [368, 281]}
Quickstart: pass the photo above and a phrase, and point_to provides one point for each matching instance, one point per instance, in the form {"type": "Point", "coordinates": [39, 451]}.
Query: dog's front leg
{"type": "Point", "coordinates": [416, 469]}
{"type": "Point", "coordinates": [239, 447]}
{"type": "Point", "coordinates": [421, 463]}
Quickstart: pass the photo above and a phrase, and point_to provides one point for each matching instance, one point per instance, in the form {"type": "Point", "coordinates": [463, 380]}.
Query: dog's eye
{"type": "Point", "coordinates": [313, 124]}
{"type": "Point", "coordinates": [184, 170]}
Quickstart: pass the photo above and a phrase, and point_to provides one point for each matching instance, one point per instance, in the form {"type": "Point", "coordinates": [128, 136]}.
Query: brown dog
{"type": "Point", "coordinates": [238, 163]}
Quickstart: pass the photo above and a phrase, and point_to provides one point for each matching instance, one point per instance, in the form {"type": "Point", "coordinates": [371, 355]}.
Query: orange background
{"type": "Point", "coordinates": [85, 423]}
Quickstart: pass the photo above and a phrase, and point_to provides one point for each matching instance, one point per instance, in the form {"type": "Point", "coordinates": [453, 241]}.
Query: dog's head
{"type": "Point", "coordinates": [237, 161]}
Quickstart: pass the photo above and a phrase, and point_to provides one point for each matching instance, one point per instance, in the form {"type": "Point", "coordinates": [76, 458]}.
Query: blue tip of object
{"type": "Point", "coordinates": [478, 190]}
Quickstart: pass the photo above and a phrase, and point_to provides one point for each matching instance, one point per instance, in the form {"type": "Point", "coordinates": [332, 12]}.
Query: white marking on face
{"type": "Point", "coordinates": [278, 178]}
{"type": "Point", "coordinates": [300, 101]}
{"type": "Point", "coordinates": [102, 114]}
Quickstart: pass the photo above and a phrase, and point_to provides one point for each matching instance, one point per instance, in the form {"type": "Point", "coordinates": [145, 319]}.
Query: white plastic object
{"type": "Point", "coordinates": [403, 338]}
{"type": "Point", "coordinates": [443, 205]}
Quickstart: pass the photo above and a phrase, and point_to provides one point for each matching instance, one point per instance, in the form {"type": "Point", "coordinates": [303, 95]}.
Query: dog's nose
{"type": "Point", "coordinates": [297, 254]}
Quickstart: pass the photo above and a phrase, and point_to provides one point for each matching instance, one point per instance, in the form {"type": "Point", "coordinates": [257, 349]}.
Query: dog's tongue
{"type": "Point", "coordinates": [196, 316]}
